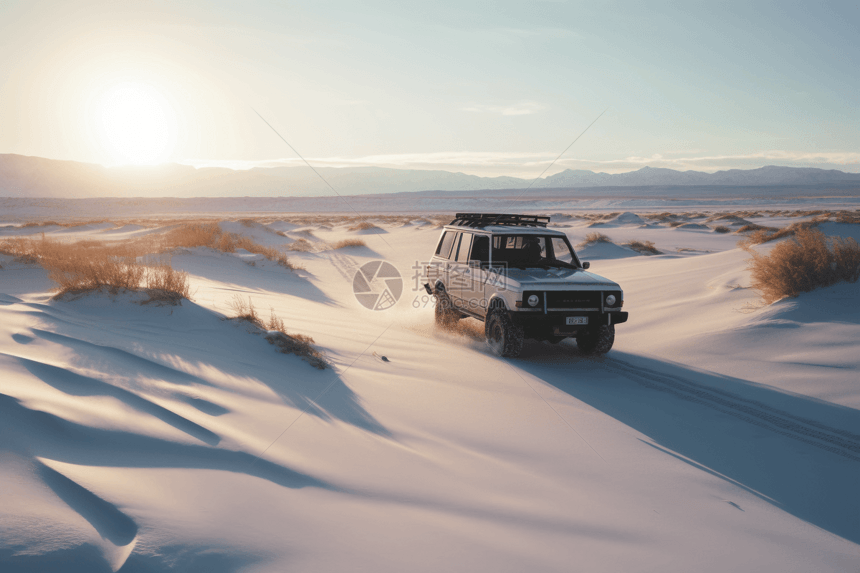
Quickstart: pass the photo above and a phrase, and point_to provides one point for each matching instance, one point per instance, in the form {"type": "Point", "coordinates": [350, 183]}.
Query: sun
{"type": "Point", "coordinates": [136, 123]}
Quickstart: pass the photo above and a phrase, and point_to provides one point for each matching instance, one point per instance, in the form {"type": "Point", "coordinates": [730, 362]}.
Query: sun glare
{"type": "Point", "coordinates": [138, 124]}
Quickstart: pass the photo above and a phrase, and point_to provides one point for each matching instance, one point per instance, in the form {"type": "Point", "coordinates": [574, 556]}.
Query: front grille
{"type": "Point", "coordinates": [581, 299]}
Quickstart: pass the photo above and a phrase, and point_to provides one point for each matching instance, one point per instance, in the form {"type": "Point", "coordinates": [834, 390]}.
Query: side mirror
{"type": "Point", "coordinates": [586, 264]}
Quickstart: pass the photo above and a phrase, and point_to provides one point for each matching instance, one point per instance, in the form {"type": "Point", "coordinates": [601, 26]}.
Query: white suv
{"type": "Point", "coordinates": [524, 281]}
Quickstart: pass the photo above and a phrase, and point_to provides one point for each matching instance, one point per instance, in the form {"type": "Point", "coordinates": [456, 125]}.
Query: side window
{"type": "Point", "coordinates": [444, 248]}
{"type": "Point", "coordinates": [561, 250]}
{"type": "Point", "coordinates": [480, 249]}
{"type": "Point", "coordinates": [465, 245]}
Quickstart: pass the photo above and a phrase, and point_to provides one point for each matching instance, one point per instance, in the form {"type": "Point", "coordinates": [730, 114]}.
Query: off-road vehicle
{"type": "Point", "coordinates": [524, 281]}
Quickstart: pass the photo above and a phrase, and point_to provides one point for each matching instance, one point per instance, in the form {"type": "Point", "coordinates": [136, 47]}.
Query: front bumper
{"type": "Point", "coordinates": [556, 320]}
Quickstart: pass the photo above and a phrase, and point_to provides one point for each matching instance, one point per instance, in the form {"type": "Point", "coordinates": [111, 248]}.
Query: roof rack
{"type": "Point", "coordinates": [484, 219]}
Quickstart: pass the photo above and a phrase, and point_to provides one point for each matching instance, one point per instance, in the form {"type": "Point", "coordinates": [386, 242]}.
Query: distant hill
{"type": "Point", "coordinates": [23, 176]}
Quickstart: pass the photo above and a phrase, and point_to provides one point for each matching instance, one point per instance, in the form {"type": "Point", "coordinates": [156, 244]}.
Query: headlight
{"type": "Point", "coordinates": [534, 300]}
{"type": "Point", "coordinates": [610, 300]}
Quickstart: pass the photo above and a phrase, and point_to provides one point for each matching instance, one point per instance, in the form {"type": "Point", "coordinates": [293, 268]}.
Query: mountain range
{"type": "Point", "coordinates": [25, 176]}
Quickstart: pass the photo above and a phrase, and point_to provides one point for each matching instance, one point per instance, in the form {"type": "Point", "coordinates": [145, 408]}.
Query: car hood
{"type": "Point", "coordinates": [555, 279]}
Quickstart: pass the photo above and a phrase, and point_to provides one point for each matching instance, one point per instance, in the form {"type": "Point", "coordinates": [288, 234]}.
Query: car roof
{"type": "Point", "coordinates": [506, 230]}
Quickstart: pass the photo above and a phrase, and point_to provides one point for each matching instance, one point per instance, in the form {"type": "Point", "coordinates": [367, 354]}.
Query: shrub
{"type": "Point", "coordinates": [803, 263]}
{"type": "Point", "coordinates": [644, 247]}
{"type": "Point", "coordinates": [192, 235]}
{"type": "Point", "coordinates": [722, 229]}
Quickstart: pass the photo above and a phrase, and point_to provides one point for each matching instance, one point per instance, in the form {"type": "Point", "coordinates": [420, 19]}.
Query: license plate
{"type": "Point", "coordinates": [576, 320]}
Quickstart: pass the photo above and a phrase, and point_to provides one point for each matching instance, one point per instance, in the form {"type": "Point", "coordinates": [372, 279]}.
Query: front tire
{"type": "Point", "coordinates": [504, 337]}
{"type": "Point", "coordinates": [596, 342]}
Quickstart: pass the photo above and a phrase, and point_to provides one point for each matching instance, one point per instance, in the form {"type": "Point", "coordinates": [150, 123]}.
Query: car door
{"type": "Point", "coordinates": [458, 271]}
{"type": "Point", "coordinates": [476, 273]}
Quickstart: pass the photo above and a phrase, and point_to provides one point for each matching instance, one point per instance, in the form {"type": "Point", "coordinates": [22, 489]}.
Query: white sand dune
{"type": "Point", "coordinates": [626, 219]}
{"type": "Point", "coordinates": [717, 435]}
{"type": "Point", "coordinates": [601, 250]}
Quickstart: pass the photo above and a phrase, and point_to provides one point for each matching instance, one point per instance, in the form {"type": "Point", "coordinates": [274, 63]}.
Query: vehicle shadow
{"type": "Point", "coordinates": [759, 438]}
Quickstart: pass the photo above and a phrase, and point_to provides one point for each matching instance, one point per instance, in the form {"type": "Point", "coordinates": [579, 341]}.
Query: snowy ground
{"type": "Point", "coordinates": [718, 434]}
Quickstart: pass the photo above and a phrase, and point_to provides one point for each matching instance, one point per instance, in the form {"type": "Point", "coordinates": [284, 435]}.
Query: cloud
{"type": "Point", "coordinates": [524, 108]}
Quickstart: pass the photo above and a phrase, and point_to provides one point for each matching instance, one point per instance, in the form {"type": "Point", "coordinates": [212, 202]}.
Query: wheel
{"type": "Point", "coordinates": [597, 341]}
{"type": "Point", "coordinates": [446, 315]}
{"type": "Point", "coordinates": [503, 336]}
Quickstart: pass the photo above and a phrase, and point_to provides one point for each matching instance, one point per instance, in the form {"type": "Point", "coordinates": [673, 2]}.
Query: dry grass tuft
{"type": "Point", "coordinates": [245, 310]}
{"type": "Point", "coordinates": [661, 217]}
{"type": "Point", "coordinates": [807, 261]}
{"type": "Point", "coordinates": [270, 253]}
{"type": "Point", "coordinates": [363, 226]}
{"type": "Point", "coordinates": [348, 243]}
{"type": "Point", "coordinates": [164, 278]}
{"type": "Point", "coordinates": [298, 344]}
{"type": "Point", "coordinates": [301, 245]}
{"type": "Point", "coordinates": [644, 247]}
{"type": "Point", "coordinates": [722, 229]}
{"type": "Point", "coordinates": [593, 238]}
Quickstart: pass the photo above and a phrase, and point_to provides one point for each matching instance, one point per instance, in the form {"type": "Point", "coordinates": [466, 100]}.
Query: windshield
{"type": "Point", "coordinates": [533, 251]}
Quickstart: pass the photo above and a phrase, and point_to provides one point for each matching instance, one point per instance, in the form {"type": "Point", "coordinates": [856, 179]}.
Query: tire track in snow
{"type": "Point", "coordinates": [815, 433]}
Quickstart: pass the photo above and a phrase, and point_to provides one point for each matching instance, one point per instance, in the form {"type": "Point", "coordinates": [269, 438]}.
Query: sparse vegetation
{"type": "Point", "coordinates": [92, 265]}
{"type": "Point", "coordinates": [722, 229]}
{"type": "Point", "coordinates": [755, 227]}
{"type": "Point", "coordinates": [276, 333]}
{"type": "Point", "coordinates": [808, 260]}
{"type": "Point", "coordinates": [210, 235]}
{"type": "Point", "coordinates": [767, 235]}
{"type": "Point", "coordinates": [644, 247]}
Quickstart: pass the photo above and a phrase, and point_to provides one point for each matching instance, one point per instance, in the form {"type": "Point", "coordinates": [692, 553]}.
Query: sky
{"type": "Point", "coordinates": [487, 88]}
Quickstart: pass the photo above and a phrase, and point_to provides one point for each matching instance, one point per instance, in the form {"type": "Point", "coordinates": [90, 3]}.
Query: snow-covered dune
{"type": "Point", "coordinates": [718, 434]}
